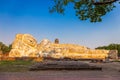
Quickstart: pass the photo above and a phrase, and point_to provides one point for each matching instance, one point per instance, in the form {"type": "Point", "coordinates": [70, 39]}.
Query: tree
{"type": "Point", "coordinates": [86, 9]}
{"type": "Point", "coordinates": [1, 45]}
{"type": "Point", "coordinates": [10, 47]}
{"type": "Point", "coordinates": [5, 48]}
{"type": "Point", "coordinates": [111, 47]}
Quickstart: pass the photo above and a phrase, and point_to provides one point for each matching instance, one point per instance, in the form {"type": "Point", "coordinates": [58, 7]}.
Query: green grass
{"type": "Point", "coordinates": [15, 66]}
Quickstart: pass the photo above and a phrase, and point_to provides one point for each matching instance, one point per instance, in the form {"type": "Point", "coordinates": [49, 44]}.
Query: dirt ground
{"type": "Point", "coordinates": [111, 71]}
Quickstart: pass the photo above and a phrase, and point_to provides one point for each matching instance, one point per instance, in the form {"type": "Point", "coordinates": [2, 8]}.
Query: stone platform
{"type": "Point", "coordinates": [63, 65]}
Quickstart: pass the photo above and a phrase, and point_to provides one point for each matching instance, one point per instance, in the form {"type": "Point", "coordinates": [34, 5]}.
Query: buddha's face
{"type": "Point", "coordinates": [28, 39]}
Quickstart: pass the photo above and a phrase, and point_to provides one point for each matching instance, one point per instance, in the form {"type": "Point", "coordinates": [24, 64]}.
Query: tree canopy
{"type": "Point", "coordinates": [4, 48]}
{"type": "Point", "coordinates": [92, 10]}
{"type": "Point", "coordinates": [111, 47]}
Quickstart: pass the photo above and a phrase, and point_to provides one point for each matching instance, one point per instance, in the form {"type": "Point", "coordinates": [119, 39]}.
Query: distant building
{"type": "Point", "coordinates": [56, 41]}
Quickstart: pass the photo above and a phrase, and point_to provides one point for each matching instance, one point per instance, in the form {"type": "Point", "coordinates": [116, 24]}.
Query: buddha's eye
{"type": "Point", "coordinates": [30, 40]}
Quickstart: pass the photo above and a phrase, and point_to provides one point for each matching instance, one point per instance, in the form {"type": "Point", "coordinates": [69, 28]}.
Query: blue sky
{"type": "Point", "coordinates": [33, 17]}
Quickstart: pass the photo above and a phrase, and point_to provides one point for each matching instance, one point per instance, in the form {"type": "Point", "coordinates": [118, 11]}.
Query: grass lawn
{"type": "Point", "coordinates": [15, 66]}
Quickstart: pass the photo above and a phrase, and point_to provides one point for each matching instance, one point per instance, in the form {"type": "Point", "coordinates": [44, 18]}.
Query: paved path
{"type": "Point", "coordinates": [109, 72]}
{"type": "Point", "coordinates": [60, 75]}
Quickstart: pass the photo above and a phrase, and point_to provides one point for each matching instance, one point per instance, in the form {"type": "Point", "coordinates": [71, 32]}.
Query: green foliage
{"type": "Point", "coordinates": [85, 9]}
{"type": "Point", "coordinates": [5, 48]}
{"type": "Point", "coordinates": [15, 66]}
{"type": "Point", "coordinates": [111, 47]}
